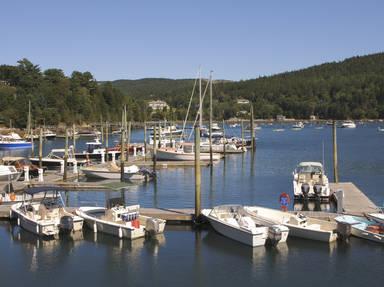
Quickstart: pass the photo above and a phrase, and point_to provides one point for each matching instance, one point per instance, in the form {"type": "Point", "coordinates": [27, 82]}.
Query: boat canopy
{"type": "Point", "coordinates": [310, 167]}
{"type": "Point", "coordinates": [47, 188]}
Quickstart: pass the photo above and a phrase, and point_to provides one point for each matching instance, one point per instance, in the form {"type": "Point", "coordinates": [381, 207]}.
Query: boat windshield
{"type": "Point", "coordinates": [310, 169]}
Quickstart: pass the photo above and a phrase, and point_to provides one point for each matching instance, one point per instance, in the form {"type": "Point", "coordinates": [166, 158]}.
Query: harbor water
{"type": "Point", "coordinates": [187, 256]}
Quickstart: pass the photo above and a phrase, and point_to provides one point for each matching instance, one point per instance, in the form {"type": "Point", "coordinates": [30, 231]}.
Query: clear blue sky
{"type": "Point", "coordinates": [237, 39]}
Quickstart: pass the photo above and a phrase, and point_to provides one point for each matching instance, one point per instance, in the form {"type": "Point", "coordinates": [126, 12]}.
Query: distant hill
{"type": "Point", "coordinates": [353, 88]}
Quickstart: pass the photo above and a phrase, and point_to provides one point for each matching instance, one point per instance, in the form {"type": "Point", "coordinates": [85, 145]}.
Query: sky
{"type": "Point", "coordinates": [237, 40]}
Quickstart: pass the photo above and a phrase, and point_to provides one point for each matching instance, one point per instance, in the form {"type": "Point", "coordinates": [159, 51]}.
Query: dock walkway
{"type": "Point", "coordinates": [355, 202]}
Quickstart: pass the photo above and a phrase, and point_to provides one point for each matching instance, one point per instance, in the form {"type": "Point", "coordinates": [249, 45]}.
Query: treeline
{"type": "Point", "coordinates": [56, 98]}
{"type": "Point", "coordinates": [353, 88]}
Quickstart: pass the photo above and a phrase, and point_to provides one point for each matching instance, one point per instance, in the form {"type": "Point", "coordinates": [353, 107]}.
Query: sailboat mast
{"type": "Point", "coordinates": [210, 119]}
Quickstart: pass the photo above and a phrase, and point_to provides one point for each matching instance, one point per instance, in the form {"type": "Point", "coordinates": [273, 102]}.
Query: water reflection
{"type": "Point", "coordinates": [314, 205]}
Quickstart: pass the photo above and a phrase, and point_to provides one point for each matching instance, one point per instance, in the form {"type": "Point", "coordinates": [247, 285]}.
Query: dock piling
{"type": "Point", "coordinates": [65, 155]}
{"type": "Point", "coordinates": [41, 148]}
{"type": "Point", "coordinates": [335, 162]}
{"type": "Point", "coordinates": [197, 175]}
{"type": "Point", "coordinates": [154, 147]}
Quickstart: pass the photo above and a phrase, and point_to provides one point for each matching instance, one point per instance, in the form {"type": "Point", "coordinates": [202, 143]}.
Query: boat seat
{"type": "Point", "coordinates": [42, 211]}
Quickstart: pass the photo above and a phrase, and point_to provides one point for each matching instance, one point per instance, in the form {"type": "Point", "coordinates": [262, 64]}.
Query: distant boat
{"type": "Point", "coordinates": [363, 228]}
{"type": "Point", "coordinates": [380, 129]}
{"type": "Point", "coordinates": [278, 130]}
{"type": "Point", "coordinates": [112, 171]}
{"type": "Point", "coordinates": [298, 126]}
{"type": "Point", "coordinates": [182, 153]}
{"type": "Point", "coordinates": [56, 157]}
{"type": "Point", "coordinates": [348, 125]}
{"type": "Point", "coordinates": [48, 134]}
{"type": "Point", "coordinates": [13, 141]}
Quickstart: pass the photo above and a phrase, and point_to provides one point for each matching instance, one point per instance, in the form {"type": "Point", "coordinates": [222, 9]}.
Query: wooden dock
{"type": "Point", "coordinates": [355, 202]}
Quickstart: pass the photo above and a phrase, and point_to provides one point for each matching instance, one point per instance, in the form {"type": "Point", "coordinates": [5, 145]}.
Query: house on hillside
{"type": "Point", "coordinates": [280, 118]}
{"type": "Point", "coordinates": [158, 105]}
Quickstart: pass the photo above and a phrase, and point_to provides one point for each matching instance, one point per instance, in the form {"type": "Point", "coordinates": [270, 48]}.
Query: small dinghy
{"type": "Point", "coordinates": [121, 221]}
{"type": "Point", "coordinates": [363, 228]}
{"type": "Point", "coordinates": [48, 217]}
{"type": "Point", "coordinates": [299, 225]}
{"type": "Point", "coordinates": [235, 222]}
{"type": "Point", "coordinates": [378, 217]}
{"type": "Point", "coordinates": [111, 171]}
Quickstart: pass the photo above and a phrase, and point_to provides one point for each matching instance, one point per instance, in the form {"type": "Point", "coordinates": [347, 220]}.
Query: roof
{"type": "Point", "coordinates": [45, 188]}
{"type": "Point", "coordinates": [313, 163]}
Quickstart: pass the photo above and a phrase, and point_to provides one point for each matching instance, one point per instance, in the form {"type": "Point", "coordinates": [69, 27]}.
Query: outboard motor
{"type": "Point", "coordinates": [305, 189]}
{"type": "Point", "coordinates": [317, 189]}
{"type": "Point", "coordinates": [274, 235]}
{"type": "Point", "coordinates": [66, 224]}
{"type": "Point", "coordinates": [154, 226]}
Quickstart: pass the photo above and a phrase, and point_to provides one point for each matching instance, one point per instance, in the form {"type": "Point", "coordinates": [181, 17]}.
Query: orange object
{"type": "Point", "coordinates": [135, 223]}
{"type": "Point", "coordinates": [12, 196]}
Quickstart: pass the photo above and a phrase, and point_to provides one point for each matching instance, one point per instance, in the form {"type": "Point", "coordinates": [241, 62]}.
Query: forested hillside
{"type": "Point", "coordinates": [353, 88]}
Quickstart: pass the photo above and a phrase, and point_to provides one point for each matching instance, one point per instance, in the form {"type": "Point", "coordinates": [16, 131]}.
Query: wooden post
{"type": "Point", "coordinates": [170, 130]}
{"type": "Point", "coordinates": [210, 120]}
{"type": "Point", "coordinates": [128, 139]}
{"type": "Point", "coordinates": [145, 141]}
{"type": "Point", "coordinates": [102, 132]}
{"type": "Point", "coordinates": [106, 141]}
{"type": "Point", "coordinates": [197, 174]}
{"type": "Point", "coordinates": [74, 137]}
{"type": "Point", "coordinates": [242, 135]}
{"type": "Point", "coordinates": [335, 163]}
{"type": "Point", "coordinates": [224, 139]}
{"type": "Point", "coordinates": [41, 148]}
{"type": "Point", "coordinates": [154, 147]}
{"type": "Point", "coordinates": [252, 130]}
{"type": "Point", "coordinates": [65, 155]}
{"type": "Point", "coordinates": [122, 155]}
{"type": "Point", "coordinates": [32, 144]}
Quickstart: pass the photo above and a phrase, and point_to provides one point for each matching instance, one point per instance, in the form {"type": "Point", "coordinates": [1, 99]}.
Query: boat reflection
{"type": "Point", "coordinates": [313, 205]}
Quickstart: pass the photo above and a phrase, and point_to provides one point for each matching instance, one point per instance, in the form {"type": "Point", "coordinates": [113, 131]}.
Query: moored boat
{"type": "Point", "coordinates": [47, 217]}
{"type": "Point", "coordinates": [299, 225]}
{"type": "Point", "coordinates": [235, 222]}
{"type": "Point", "coordinates": [348, 124]}
{"type": "Point", "coordinates": [184, 152]}
{"type": "Point", "coordinates": [121, 221]}
{"type": "Point", "coordinates": [363, 228]}
{"type": "Point", "coordinates": [13, 141]}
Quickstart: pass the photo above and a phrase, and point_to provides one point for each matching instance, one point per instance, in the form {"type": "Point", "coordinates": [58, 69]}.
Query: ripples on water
{"type": "Point", "coordinates": [188, 257]}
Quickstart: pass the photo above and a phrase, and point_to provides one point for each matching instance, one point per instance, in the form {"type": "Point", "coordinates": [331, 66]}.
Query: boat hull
{"type": "Point", "coordinates": [181, 156]}
{"type": "Point", "coordinates": [15, 145]}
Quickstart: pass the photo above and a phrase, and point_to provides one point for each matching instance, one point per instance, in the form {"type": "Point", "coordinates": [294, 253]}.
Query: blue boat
{"type": "Point", "coordinates": [13, 141]}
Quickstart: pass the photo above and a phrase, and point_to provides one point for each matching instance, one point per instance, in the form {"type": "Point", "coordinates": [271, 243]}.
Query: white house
{"type": "Point", "coordinates": [158, 105]}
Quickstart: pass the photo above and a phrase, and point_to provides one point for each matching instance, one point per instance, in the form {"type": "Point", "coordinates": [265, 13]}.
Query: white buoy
{"type": "Point", "coordinates": [102, 157]}
{"type": "Point", "coordinates": [41, 177]}
{"type": "Point", "coordinates": [134, 151]}
{"type": "Point", "coordinates": [75, 171]}
{"type": "Point", "coordinates": [26, 173]}
{"type": "Point", "coordinates": [62, 167]}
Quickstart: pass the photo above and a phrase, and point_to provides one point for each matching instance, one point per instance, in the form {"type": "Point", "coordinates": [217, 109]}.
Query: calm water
{"type": "Point", "coordinates": [188, 257]}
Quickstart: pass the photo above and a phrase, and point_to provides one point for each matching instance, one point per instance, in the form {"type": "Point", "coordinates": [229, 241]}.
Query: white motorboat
{"type": "Point", "coordinates": [121, 221]}
{"type": "Point", "coordinates": [348, 125]}
{"type": "Point", "coordinates": [48, 134]}
{"type": "Point", "coordinates": [111, 171]}
{"type": "Point", "coordinates": [378, 217]}
{"type": "Point", "coordinates": [9, 173]}
{"type": "Point", "coordinates": [56, 157]}
{"type": "Point", "coordinates": [298, 224]}
{"type": "Point", "coordinates": [218, 146]}
{"type": "Point", "coordinates": [380, 129]}
{"type": "Point", "coordinates": [47, 217]}
{"type": "Point", "coordinates": [310, 181]}
{"type": "Point", "coordinates": [184, 152]}
{"type": "Point", "coordinates": [298, 126]}
{"type": "Point", "coordinates": [363, 228]}
{"type": "Point", "coordinates": [235, 222]}
{"type": "Point", "coordinates": [215, 127]}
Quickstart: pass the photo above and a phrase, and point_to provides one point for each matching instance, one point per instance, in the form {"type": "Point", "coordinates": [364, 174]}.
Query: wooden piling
{"type": "Point", "coordinates": [74, 137]}
{"type": "Point", "coordinates": [65, 155]}
{"type": "Point", "coordinates": [252, 130]}
{"type": "Point", "coordinates": [41, 148]}
{"type": "Point", "coordinates": [122, 155]}
{"type": "Point", "coordinates": [242, 135]}
{"type": "Point", "coordinates": [106, 141]}
{"type": "Point", "coordinates": [145, 141]}
{"type": "Point", "coordinates": [210, 121]}
{"type": "Point", "coordinates": [335, 162]}
{"type": "Point", "coordinates": [197, 174]}
{"type": "Point", "coordinates": [128, 138]}
{"type": "Point", "coordinates": [154, 147]}
{"type": "Point", "coordinates": [224, 139]}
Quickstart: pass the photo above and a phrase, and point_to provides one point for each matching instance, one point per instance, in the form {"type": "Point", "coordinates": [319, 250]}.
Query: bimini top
{"type": "Point", "coordinates": [313, 163]}
{"type": "Point", "coordinates": [45, 188]}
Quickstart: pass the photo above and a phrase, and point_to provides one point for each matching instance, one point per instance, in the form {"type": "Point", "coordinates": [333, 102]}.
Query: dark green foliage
{"type": "Point", "coordinates": [353, 88]}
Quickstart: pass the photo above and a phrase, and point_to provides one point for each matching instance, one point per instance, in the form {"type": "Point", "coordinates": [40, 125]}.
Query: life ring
{"type": "Point", "coordinates": [12, 197]}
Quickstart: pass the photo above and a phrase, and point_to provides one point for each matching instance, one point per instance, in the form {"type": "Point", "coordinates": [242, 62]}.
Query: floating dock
{"type": "Point", "coordinates": [355, 202]}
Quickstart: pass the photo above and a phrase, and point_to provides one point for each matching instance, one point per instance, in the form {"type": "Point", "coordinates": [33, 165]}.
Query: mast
{"type": "Point", "coordinates": [210, 119]}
